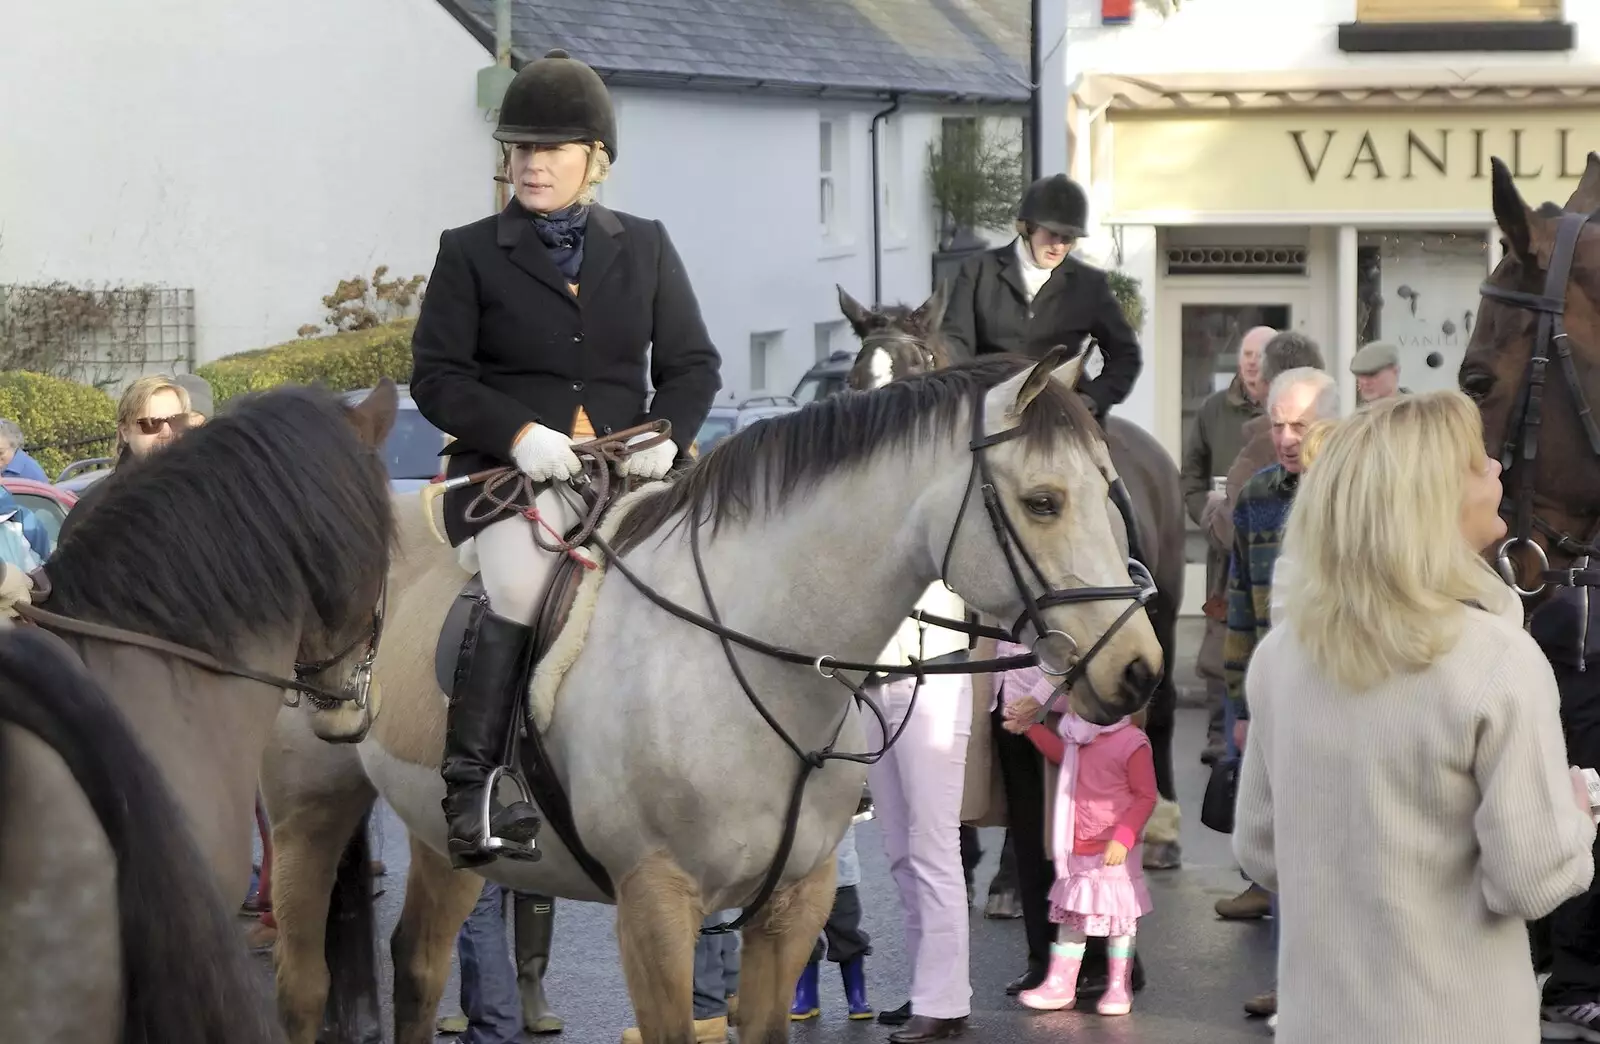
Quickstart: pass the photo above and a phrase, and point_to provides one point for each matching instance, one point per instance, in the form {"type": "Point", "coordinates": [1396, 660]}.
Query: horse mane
{"type": "Point", "coordinates": [773, 460]}
{"type": "Point", "coordinates": [236, 530]}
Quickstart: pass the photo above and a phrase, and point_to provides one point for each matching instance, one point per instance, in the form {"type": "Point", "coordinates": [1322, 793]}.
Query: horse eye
{"type": "Point", "coordinates": [1477, 384]}
{"type": "Point", "coordinates": [1042, 504]}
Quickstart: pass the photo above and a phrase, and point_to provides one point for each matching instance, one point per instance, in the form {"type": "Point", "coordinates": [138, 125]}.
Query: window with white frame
{"type": "Point", "coordinates": [764, 351]}
{"type": "Point", "coordinates": [830, 338]}
{"type": "Point", "coordinates": [827, 186]}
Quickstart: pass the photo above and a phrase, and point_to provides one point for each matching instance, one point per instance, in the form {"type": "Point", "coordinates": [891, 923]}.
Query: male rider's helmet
{"type": "Point", "coordinates": [555, 100]}
{"type": "Point", "coordinates": [1056, 203]}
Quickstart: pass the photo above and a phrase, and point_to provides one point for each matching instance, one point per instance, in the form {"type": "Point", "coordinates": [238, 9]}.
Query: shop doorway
{"type": "Point", "coordinates": [1207, 323]}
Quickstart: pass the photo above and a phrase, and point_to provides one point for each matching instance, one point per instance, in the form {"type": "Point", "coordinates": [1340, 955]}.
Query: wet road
{"type": "Point", "coordinates": [1199, 969]}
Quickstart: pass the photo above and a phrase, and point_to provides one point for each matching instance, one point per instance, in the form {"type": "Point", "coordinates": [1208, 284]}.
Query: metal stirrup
{"type": "Point", "coordinates": [500, 845]}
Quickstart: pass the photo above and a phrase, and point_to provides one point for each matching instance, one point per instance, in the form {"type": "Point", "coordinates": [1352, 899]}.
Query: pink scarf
{"type": "Point", "coordinates": [1078, 733]}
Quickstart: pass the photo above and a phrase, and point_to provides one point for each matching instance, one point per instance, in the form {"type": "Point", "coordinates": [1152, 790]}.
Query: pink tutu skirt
{"type": "Point", "coordinates": [1100, 900]}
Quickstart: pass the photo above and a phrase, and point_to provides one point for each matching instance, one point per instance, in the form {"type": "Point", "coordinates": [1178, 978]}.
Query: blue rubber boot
{"type": "Point", "coordinates": [854, 974]}
{"type": "Point", "coordinates": [806, 1003]}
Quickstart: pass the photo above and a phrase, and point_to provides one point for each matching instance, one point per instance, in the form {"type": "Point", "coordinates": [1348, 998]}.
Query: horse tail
{"type": "Point", "coordinates": [187, 978]}
{"type": "Point", "coordinates": [350, 944]}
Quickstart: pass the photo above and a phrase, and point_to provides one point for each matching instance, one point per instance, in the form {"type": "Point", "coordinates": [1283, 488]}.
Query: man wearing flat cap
{"type": "Point", "coordinates": [1377, 370]}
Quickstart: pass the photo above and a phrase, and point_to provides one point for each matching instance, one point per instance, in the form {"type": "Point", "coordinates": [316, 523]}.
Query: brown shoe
{"type": "Point", "coordinates": [1252, 904]}
{"type": "Point", "coordinates": [1262, 1004]}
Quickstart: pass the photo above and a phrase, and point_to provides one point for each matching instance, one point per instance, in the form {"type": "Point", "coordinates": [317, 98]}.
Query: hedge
{"type": "Point", "coordinates": [61, 420]}
{"type": "Point", "coordinates": [342, 362]}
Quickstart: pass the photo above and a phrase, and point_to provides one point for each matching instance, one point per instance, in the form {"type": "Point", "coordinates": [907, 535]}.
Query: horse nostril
{"type": "Point", "coordinates": [1139, 676]}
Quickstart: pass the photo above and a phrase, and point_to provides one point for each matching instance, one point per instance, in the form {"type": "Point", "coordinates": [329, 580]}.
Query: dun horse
{"type": "Point", "coordinates": [898, 342]}
{"type": "Point", "coordinates": [817, 530]}
{"type": "Point", "coordinates": [128, 769]}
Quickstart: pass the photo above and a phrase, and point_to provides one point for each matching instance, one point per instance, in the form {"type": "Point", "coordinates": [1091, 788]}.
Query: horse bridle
{"type": "Point", "coordinates": [883, 339]}
{"type": "Point", "coordinates": [359, 687]}
{"type": "Point", "coordinates": [981, 478]}
{"type": "Point", "coordinates": [1521, 448]}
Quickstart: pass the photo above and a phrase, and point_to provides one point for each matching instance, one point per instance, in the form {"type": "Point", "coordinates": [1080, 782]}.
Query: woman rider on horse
{"type": "Point", "coordinates": [534, 335]}
{"type": "Point", "coordinates": [1030, 295]}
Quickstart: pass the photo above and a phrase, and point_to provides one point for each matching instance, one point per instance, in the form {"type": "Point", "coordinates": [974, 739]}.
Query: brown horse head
{"type": "Point", "coordinates": [896, 341]}
{"type": "Point", "coordinates": [1537, 305]}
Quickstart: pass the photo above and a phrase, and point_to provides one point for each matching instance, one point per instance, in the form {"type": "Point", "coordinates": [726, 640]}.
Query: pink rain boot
{"type": "Point", "coordinates": [1118, 998]}
{"type": "Point", "coordinates": [1059, 990]}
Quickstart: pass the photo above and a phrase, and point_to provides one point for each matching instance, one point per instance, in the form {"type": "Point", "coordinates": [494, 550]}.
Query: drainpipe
{"type": "Point", "coordinates": [502, 58]}
{"type": "Point", "coordinates": [1035, 103]}
{"type": "Point", "coordinates": [877, 201]}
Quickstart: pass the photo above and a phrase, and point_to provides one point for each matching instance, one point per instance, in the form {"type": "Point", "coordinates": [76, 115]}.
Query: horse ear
{"type": "Point", "coordinates": [1510, 212]}
{"type": "Point", "coordinates": [853, 311]}
{"type": "Point", "coordinates": [1059, 364]}
{"type": "Point", "coordinates": [930, 314]}
{"type": "Point", "coordinates": [374, 416]}
{"type": "Point", "coordinates": [1586, 196]}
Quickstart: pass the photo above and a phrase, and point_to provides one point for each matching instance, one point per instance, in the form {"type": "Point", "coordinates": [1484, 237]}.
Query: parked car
{"type": "Point", "coordinates": [48, 503]}
{"type": "Point", "coordinates": [411, 453]}
{"type": "Point", "coordinates": [825, 378]}
{"type": "Point", "coordinates": [81, 474]}
{"type": "Point", "coordinates": [723, 421]}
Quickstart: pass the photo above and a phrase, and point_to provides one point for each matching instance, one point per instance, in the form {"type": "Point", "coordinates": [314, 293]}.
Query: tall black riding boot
{"type": "Point", "coordinates": [490, 691]}
{"type": "Point", "coordinates": [535, 928]}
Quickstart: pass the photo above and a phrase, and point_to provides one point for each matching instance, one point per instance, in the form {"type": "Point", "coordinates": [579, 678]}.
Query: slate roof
{"type": "Point", "coordinates": [974, 50]}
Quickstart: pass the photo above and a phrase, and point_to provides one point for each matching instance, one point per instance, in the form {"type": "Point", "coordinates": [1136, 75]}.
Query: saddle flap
{"type": "Point", "coordinates": [459, 624]}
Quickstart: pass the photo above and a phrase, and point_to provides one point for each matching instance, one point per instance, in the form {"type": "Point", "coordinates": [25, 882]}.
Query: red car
{"type": "Point", "coordinates": [48, 503]}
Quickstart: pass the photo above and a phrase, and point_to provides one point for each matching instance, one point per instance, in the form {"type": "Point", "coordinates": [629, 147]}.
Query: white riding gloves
{"type": "Point", "coordinates": [544, 453]}
{"type": "Point", "coordinates": [652, 463]}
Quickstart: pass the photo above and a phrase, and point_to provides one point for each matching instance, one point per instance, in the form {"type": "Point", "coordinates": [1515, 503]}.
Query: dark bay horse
{"type": "Point", "coordinates": [260, 541]}
{"type": "Point", "coordinates": [1533, 367]}
{"type": "Point", "coordinates": [897, 342]}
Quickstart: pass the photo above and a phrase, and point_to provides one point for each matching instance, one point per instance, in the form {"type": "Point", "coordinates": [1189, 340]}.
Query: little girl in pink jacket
{"type": "Point", "coordinates": [1105, 792]}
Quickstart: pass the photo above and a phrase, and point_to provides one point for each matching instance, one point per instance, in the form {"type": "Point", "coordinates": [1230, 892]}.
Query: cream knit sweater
{"type": "Point", "coordinates": [1410, 832]}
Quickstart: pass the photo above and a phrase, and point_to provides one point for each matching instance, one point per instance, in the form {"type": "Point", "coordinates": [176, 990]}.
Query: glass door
{"type": "Point", "coordinates": [1209, 324]}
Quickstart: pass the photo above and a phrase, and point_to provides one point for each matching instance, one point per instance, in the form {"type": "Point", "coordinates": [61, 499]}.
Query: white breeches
{"type": "Point", "coordinates": [515, 569]}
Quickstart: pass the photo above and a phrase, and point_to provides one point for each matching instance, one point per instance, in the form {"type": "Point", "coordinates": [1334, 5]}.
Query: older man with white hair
{"type": "Point", "coordinates": [1213, 442]}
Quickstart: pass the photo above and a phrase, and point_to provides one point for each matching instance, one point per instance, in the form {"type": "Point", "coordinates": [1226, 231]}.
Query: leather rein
{"type": "Point", "coordinates": [1522, 437]}
{"type": "Point", "coordinates": [298, 685]}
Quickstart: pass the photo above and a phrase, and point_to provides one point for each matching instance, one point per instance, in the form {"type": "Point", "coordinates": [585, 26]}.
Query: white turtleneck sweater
{"type": "Point", "coordinates": [1033, 276]}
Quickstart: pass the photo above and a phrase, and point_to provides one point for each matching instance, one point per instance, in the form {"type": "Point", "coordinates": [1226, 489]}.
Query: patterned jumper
{"type": "Point", "coordinates": [1258, 521]}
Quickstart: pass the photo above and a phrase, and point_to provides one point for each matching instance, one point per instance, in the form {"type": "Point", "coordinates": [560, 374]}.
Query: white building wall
{"type": "Point", "coordinates": [735, 179]}
{"type": "Point", "coordinates": [256, 153]}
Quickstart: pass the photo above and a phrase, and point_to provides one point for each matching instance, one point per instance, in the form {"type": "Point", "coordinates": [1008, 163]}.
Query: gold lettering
{"type": "Point", "coordinates": [1312, 169]}
{"type": "Point", "coordinates": [1439, 160]}
{"type": "Point", "coordinates": [1516, 158]}
{"type": "Point", "coordinates": [1565, 135]}
{"type": "Point", "coordinates": [1367, 153]}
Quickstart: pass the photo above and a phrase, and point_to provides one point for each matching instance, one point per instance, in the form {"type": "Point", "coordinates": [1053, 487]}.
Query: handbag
{"type": "Point", "coordinates": [1216, 808]}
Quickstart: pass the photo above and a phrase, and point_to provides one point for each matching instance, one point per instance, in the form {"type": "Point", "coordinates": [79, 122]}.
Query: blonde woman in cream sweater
{"type": "Point", "coordinates": [1405, 789]}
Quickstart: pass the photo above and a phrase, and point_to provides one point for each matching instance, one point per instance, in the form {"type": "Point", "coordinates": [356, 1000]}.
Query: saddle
{"type": "Point", "coordinates": [460, 631]}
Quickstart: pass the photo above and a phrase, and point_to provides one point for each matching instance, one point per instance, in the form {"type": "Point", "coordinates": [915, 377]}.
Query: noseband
{"type": "Point", "coordinates": [1522, 434]}
{"type": "Point", "coordinates": [360, 684]}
